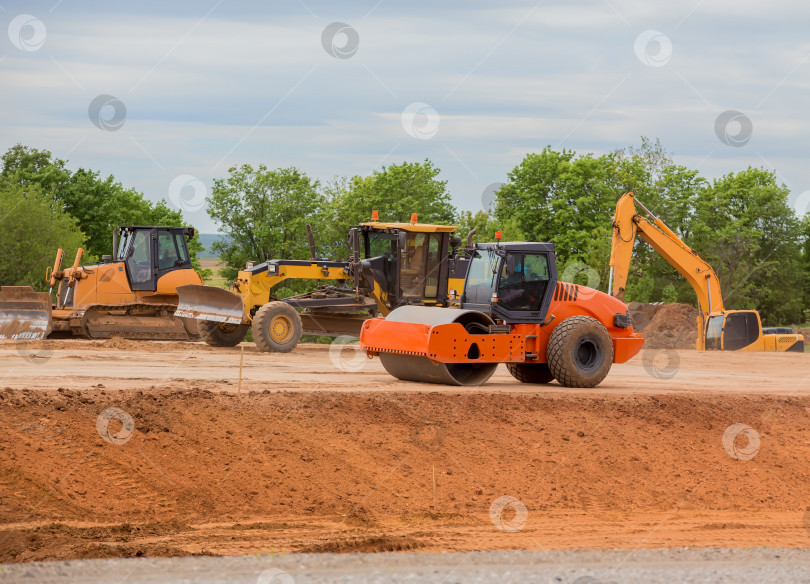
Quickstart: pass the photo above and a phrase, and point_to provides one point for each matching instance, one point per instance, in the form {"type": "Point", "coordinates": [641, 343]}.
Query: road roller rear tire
{"type": "Point", "coordinates": [530, 372]}
{"type": "Point", "coordinates": [220, 334]}
{"type": "Point", "coordinates": [580, 352]}
{"type": "Point", "coordinates": [277, 328]}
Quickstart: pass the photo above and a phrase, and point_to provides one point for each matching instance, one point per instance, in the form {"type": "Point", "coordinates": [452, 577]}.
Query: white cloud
{"type": "Point", "coordinates": [195, 91]}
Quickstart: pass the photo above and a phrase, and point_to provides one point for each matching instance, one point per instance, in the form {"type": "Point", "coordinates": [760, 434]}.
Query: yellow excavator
{"type": "Point", "coordinates": [718, 327]}
{"type": "Point", "coordinates": [391, 265]}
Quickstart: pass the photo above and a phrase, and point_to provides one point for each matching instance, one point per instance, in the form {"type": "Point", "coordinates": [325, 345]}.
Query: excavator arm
{"type": "Point", "coordinates": [627, 223]}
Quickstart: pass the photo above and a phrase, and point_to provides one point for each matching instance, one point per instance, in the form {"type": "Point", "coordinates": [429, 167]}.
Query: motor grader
{"type": "Point", "coordinates": [513, 311]}
{"type": "Point", "coordinates": [391, 265]}
{"type": "Point", "coordinates": [131, 293]}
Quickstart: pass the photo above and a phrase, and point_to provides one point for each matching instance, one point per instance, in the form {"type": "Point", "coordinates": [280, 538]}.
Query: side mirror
{"type": "Point", "coordinates": [510, 265]}
{"type": "Point", "coordinates": [402, 238]}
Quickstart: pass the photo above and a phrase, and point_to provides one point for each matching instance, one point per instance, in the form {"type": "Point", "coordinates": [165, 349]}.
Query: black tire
{"type": "Point", "coordinates": [277, 328]}
{"type": "Point", "coordinates": [192, 326]}
{"type": "Point", "coordinates": [580, 352]}
{"type": "Point", "coordinates": [218, 334]}
{"type": "Point", "coordinates": [530, 372]}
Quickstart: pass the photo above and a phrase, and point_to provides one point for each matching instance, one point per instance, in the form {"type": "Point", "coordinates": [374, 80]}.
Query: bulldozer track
{"type": "Point", "coordinates": [83, 326]}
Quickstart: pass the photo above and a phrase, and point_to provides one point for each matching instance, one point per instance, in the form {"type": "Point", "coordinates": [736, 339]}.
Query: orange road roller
{"type": "Point", "coordinates": [513, 311]}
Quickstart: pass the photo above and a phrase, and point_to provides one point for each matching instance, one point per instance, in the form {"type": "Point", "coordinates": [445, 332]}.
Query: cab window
{"type": "Point", "coordinates": [523, 282]}
{"type": "Point", "coordinates": [714, 330]}
{"type": "Point", "coordinates": [413, 261]}
{"type": "Point", "coordinates": [481, 277]}
{"type": "Point", "coordinates": [171, 250]}
{"type": "Point", "coordinates": [740, 330]}
{"type": "Point", "coordinates": [138, 261]}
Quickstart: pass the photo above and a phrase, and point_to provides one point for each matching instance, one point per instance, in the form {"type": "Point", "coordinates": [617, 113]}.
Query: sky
{"type": "Point", "coordinates": [167, 96]}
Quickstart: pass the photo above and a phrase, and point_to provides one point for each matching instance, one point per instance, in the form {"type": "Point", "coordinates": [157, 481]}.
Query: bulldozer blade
{"type": "Point", "coordinates": [209, 303]}
{"type": "Point", "coordinates": [24, 314]}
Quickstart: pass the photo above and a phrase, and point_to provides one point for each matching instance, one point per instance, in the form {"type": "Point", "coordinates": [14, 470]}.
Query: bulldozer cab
{"type": "Point", "coordinates": [150, 252]}
{"type": "Point", "coordinates": [512, 281]}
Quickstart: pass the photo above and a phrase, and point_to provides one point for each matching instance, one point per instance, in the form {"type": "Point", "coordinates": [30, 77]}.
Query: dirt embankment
{"type": "Point", "coordinates": [666, 326]}
{"type": "Point", "coordinates": [196, 472]}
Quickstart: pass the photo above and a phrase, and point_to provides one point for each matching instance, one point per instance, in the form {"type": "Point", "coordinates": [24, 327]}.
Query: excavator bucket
{"type": "Point", "coordinates": [209, 303]}
{"type": "Point", "coordinates": [24, 314]}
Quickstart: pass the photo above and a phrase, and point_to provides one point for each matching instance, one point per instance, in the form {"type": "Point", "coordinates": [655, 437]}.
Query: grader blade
{"type": "Point", "coordinates": [24, 314]}
{"type": "Point", "coordinates": [209, 303]}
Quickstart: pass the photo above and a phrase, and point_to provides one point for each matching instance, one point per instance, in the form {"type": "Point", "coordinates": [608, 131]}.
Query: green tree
{"type": "Point", "coordinates": [751, 236]}
{"type": "Point", "coordinates": [567, 199]}
{"type": "Point", "coordinates": [99, 205]}
{"type": "Point", "coordinates": [669, 295]}
{"type": "Point", "coordinates": [670, 192]}
{"type": "Point", "coordinates": [263, 214]}
{"type": "Point", "coordinates": [32, 227]}
{"type": "Point", "coordinates": [484, 224]}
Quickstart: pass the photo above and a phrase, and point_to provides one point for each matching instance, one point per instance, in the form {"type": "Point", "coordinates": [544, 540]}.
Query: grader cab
{"type": "Point", "coordinates": [391, 265]}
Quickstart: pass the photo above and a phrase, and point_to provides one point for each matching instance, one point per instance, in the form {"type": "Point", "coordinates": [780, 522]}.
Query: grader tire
{"type": "Point", "coordinates": [277, 328]}
{"type": "Point", "coordinates": [530, 372]}
{"type": "Point", "coordinates": [580, 352]}
{"type": "Point", "coordinates": [218, 334]}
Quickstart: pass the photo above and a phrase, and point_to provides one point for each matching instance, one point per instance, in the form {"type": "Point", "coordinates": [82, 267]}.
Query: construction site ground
{"type": "Point", "coordinates": [321, 451]}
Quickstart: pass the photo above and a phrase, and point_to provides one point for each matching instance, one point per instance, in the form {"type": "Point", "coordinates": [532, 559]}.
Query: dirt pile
{"type": "Point", "coordinates": [195, 472]}
{"type": "Point", "coordinates": [672, 326]}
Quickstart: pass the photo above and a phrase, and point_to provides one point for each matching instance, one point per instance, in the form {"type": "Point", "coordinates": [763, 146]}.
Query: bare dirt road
{"type": "Point", "coordinates": [122, 449]}
{"type": "Point", "coordinates": [693, 566]}
{"type": "Point", "coordinates": [124, 364]}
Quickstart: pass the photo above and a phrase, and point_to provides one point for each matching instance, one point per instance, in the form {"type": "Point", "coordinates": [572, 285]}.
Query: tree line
{"type": "Point", "coordinates": [741, 223]}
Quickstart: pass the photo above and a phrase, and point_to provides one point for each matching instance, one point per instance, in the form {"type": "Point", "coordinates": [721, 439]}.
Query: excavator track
{"type": "Point", "coordinates": [137, 320]}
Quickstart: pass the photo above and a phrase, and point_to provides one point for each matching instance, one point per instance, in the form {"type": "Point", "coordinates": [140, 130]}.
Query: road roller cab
{"type": "Point", "coordinates": [513, 311]}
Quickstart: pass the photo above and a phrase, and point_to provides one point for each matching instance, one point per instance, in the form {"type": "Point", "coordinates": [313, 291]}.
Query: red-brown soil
{"type": "Point", "coordinates": [388, 465]}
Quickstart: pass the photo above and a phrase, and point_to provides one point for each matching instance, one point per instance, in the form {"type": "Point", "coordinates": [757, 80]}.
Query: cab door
{"type": "Point", "coordinates": [525, 286]}
{"type": "Point", "coordinates": [141, 260]}
{"type": "Point", "coordinates": [740, 330]}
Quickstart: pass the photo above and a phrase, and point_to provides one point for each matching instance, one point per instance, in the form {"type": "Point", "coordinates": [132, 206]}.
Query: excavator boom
{"type": "Point", "coordinates": [627, 223]}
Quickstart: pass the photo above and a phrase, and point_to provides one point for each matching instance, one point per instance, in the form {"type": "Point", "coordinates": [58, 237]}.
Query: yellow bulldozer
{"type": "Point", "coordinates": [718, 327]}
{"type": "Point", "coordinates": [131, 293]}
{"type": "Point", "coordinates": [391, 265]}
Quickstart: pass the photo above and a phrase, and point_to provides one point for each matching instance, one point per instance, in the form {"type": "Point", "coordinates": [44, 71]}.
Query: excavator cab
{"type": "Point", "coordinates": [736, 330]}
